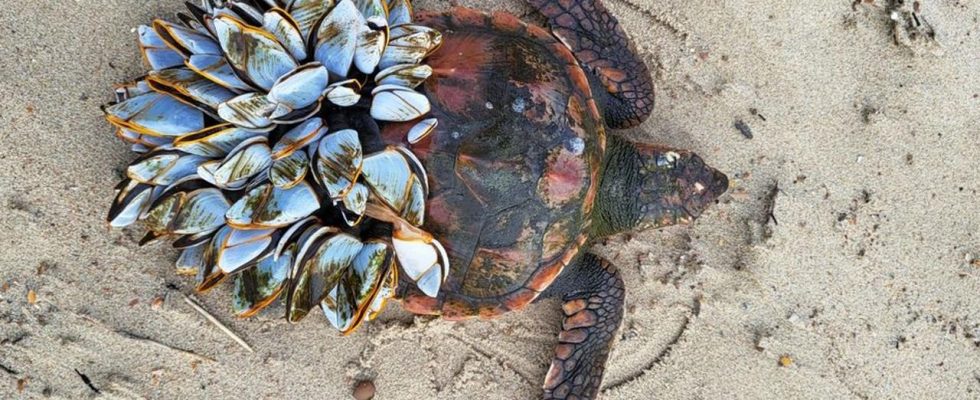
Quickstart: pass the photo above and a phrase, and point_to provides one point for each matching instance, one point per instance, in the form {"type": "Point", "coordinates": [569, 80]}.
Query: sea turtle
{"type": "Point", "coordinates": [289, 146]}
{"type": "Point", "coordinates": [524, 177]}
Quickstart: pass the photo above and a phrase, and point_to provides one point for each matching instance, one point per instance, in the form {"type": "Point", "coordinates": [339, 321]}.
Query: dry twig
{"type": "Point", "coordinates": [197, 307]}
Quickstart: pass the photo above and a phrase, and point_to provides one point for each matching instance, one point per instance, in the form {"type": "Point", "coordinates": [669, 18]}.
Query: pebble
{"type": "Point", "coordinates": [364, 390]}
{"type": "Point", "coordinates": [764, 343]}
{"type": "Point", "coordinates": [785, 360]}
{"type": "Point", "coordinates": [744, 129]}
{"type": "Point", "coordinates": [157, 303]}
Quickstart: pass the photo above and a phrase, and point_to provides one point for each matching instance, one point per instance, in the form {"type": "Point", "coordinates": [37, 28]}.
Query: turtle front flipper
{"type": "Point", "coordinates": [603, 48]}
{"type": "Point", "coordinates": [593, 295]}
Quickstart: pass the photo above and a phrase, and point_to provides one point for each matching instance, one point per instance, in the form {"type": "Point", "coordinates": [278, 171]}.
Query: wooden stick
{"type": "Point", "coordinates": [197, 307]}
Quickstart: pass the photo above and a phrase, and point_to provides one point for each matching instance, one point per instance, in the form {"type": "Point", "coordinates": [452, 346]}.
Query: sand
{"type": "Point", "coordinates": [842, 264]}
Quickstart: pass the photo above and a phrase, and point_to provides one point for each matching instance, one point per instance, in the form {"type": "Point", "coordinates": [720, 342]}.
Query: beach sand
{"type": "Point", "coordinates": [842, 264]}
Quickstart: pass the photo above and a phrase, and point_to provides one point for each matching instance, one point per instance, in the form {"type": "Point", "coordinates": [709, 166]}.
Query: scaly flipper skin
{"type": "Point", "coordinates": [603, 48]}
{"type": "Point", "coordinates": [593, 310]}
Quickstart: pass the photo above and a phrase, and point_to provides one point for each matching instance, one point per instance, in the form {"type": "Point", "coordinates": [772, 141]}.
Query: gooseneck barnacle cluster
{"type": "Point", "coordinates": [251, 164]}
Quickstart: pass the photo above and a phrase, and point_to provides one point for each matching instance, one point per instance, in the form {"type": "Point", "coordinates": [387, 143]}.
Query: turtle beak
{"type": "Point", "coordinates": [708, 185]}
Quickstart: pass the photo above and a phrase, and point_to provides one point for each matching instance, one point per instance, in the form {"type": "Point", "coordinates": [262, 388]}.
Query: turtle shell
{"type": "Point", "coordinates": [513, 164]}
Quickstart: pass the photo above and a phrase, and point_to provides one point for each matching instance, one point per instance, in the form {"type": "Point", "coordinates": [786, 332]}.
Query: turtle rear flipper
{"type": "Point", "coordinates": [593, 294]}
{"type": "Point", "coordinates": [603, 48]}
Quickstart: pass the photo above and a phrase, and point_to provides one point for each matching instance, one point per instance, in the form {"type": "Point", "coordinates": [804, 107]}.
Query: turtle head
{"type": "Point", "coordinates": [675, 186]}
{"type": "Point", "coordinates": [647, 186]}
